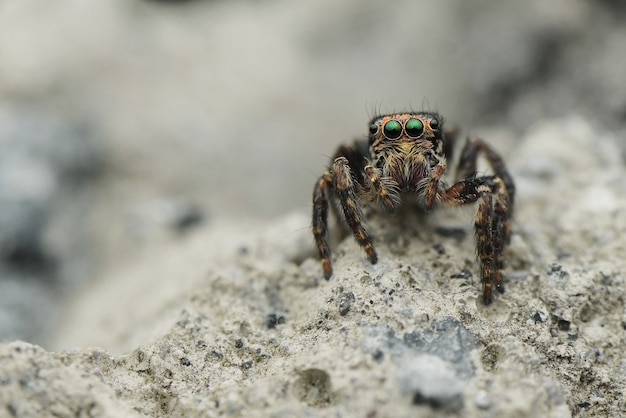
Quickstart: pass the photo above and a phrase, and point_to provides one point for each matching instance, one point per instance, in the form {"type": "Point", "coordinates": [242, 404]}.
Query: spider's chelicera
{"type": "Point", "coordinates": [406, 153]}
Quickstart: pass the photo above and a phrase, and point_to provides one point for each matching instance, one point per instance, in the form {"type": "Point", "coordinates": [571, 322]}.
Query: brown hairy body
{"type": "Point", "coordinates": [406, 153]}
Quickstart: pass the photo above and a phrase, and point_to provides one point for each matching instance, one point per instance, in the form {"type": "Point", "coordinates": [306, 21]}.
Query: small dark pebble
{"type": "Point", "coordinates": [238, 344]}
{"type": "Point", "coordinates": [540, 316]}
{"type": "Point", "coordinates": [557, 270]}
{"type": "Point", "coordinates": [246, 365]}
{"type": "Point", "coordinates": [345, 302]}
{"type": "Point", "coordinates": [440, 249]}
{"type": "Point", "coordinates": [185, 361]}
{"type": "Point", "coordinates": [584, 404]}
{"type": "Point", "coordinates": [378, 355]}
{"type": "Point", "coordinates": [419, 399]}
{"type": "Point", "coordinates": [563, 325]}
{"type": "Point", "coordinates": [274, 319]}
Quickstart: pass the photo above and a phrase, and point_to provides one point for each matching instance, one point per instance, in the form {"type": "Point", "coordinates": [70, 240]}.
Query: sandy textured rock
{"type": "Point", "coordinates": [125, 125]}
{"type": "Point", "coordinates": [122, 121]}
{"type": "Point", "coordinates": [255, 331]}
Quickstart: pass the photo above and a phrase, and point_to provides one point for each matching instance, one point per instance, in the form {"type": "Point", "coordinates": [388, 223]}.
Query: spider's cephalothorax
{"type": "Point", "coordinates": [406, 153]}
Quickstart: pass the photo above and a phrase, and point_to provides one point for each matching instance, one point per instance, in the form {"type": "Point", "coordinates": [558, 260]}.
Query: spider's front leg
{"type": "Point", "coordinates": [496, 195]}
{"type": "Point", "coordinates": [504, 199]}
{"type": "Point", "coordinates": [346, 193]}
{"type": "Point", "coordinates": [489, 224]}
{"type": "Point", "coordinates": [338, 180]}
{"type": "Point", "coordinates": [492, 234]}
{"type": "Point", "coordinates": [469, 159]}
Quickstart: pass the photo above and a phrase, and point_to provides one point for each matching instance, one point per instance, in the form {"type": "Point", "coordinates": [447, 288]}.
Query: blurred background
{"type": "Point", "coordinates": [126, 123]}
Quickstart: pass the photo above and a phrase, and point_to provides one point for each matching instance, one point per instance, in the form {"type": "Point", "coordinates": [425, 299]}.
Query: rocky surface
{"type": "Point", "coordinates": [236, 320]}
{"type": "Point", "coordinates": [123, 125]}
{"type": "Point", "coordinates": [145, 146]}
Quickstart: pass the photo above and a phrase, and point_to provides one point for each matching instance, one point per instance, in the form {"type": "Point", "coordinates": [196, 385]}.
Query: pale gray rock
{"type": "Point", "coordinates": [431, 381]}
{"type": "Point", "coordinates": [197, 332]}
{"type": "Point", "coordinates": [148, 118]}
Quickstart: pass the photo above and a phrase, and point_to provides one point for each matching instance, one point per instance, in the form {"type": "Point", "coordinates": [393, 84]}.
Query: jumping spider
{"type": "Point", "coordinates": [406, 153]}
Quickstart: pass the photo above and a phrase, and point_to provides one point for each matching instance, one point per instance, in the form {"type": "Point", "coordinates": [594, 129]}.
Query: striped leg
{"type": "Point", "coordinates": [493, 216]}
{"type": "Point", "coordinates": [320, 220]}
{"type": "Point", "coordinates": [345, 189]}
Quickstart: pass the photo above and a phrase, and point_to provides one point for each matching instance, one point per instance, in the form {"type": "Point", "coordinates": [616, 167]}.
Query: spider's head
{"type": "Point", "coordinates": [406, 130]}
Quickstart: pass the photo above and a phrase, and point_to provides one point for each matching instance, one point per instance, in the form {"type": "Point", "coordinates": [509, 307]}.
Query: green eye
{"type": "Point", "coordinates": [373, 128]}
{"type": "Point", "coordinates": [414, 127]}
{"type": "Point", "coordinates": [393, 129]}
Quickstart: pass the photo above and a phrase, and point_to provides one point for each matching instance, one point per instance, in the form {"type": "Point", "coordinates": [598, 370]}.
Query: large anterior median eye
{"type": "Point", "coordinates": [414, 127]}
{"type": "Point", "coordinates": [393, 129]}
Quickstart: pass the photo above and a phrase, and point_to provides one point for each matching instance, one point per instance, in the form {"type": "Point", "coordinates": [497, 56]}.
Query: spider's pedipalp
{"type": "Point", "coordinates": [381, 190]}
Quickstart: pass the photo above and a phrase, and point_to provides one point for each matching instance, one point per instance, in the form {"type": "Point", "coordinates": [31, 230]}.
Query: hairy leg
{"type": "Point", "coordinates": [320, 220]}
{"type": "Point", "coordinates": [337, 185]}
{"type": "Point", "coordinates": [469, 159]}
{"type": "Point", "coordinates": [345, 190]}
{"type": "Point", "coordinates": [501, 230]}
{"type": "Point", "coordinates": [493, 216]}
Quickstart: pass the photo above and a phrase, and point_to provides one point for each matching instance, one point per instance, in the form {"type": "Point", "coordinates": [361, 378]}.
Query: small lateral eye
{"type": "Point", "coordinates": [414, 127]}
{"type": "Point", "coordinates": [373, 128]}
{"type": "Point", "coordinates": [393, 129]}
{"type": "Point", "coordinates": [434, 124]}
